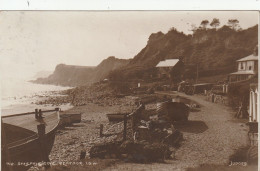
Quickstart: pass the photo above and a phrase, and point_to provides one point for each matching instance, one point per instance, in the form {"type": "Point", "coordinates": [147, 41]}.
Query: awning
{"type": "Point", "coordinates": [243, 73]}
{"type": "Point", "coordinates": [248, 58]}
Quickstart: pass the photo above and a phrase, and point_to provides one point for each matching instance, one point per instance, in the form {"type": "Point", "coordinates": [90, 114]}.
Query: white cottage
{"type": "Point", "coordinates": [247, 68]}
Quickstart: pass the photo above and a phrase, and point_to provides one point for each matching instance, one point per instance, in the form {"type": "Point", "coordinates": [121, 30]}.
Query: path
{"type": "Point", "coordinates": [213, 146]}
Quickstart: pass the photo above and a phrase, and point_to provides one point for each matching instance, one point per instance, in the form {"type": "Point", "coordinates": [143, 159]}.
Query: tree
{"type": "Point", "coordinates": [233, 23]}
{"type": "Point", "coordinates": [215, 23]}
{"type": "Point", "coordinates": [204, 24]}
{"type": "Point", "coordinates": [193, 28]}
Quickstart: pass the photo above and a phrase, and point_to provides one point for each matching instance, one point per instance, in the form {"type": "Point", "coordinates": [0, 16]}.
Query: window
{"type": "Point", "coordinates": [250, 67]}
{"type": "Point", "coordinates": [241, 66]}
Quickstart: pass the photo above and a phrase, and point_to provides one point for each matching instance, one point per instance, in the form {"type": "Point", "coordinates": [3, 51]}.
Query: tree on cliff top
{"type": "Point", "coordinates": [234, 24]}
{"type": "Point", "coordinates": [215, 23]}
{"type": "Point", "coordinates": [204, 24]}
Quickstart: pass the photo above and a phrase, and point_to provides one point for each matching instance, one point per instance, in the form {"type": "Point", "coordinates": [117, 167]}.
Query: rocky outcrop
{"type": "Point", "coordinates": [72, 75]}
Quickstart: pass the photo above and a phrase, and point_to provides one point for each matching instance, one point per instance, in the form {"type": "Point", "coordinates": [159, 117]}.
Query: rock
{"type": "Point", "coordinates": [103, 149]}
{"type": "Point", "coordinates": [143, 151]}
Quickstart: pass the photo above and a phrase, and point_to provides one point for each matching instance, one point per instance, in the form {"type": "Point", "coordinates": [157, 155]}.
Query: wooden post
{"type": "Point", "coordinates": [213, 98]}
{"type": "Point", "coordinates": [101, 130]}
{"type": "Point", "coordinates": [197, 73]}
{"type": "Point", "coordinates": [125, 124]}
{"type": "Point", "coordinates": [41, 133]}
{"type": "Point", "coordinates": [250, 107]}
{"type": "Point", "coordinates": [36, 113]}
{"type": "Point", "coordinates": [256, 102]}
{"type": "Point", "coordinates": [82, 155]}
{"type": "Point", "coordinates": [41, 130]}
{"type": "Point", "coordinates": [254, 107]}
{"type": "Point", "coordinates": [133, 123]}
{"type": "Point", "coordinates": [40, 114]}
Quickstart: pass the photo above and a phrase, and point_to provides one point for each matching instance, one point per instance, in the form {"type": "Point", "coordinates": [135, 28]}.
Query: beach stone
{"type": "Point", "coordinates": [144, 151]}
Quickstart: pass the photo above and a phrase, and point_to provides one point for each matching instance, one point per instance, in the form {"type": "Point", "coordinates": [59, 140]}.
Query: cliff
{"type": "Point", "coordinates": [214, 51]}
{"type": "Point", "coordinates": [68, 75]}
{"type": "Point", "coordinates": [72, 75]}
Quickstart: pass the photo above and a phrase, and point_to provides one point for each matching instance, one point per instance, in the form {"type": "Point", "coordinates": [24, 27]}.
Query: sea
{"type": "Point", "coordinates": [20, 95]}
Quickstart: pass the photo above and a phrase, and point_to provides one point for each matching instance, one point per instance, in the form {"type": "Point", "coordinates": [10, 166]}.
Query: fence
{"type": "Point", "coordinates": [215, 98]}
{"type": "Point", "coordinates": [130, 123]}
{"type": "Point", "coordinates": [128, 126]}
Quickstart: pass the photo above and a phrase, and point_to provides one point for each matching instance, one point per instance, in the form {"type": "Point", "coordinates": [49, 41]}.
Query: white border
{"type": "Point", "coordinates": [129, 4]}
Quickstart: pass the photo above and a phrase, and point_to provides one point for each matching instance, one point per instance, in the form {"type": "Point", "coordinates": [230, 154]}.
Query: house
{"type": "Point", "coordinates": [165, 67]}
{"type": "Point", "coordinates": [247, 68]}
{"type": "Point", "coordinates": [171, 69]}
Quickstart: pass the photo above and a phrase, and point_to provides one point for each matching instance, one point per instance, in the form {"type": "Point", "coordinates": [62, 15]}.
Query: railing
{"type": "Point", "coordinates": [133, 117]}
{"type": "Point", "coordinates": [128, 124]}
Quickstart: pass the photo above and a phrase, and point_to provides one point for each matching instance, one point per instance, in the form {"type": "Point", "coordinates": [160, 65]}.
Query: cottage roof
{"type": "Point", "coordinates": [242, 72]}
{"type": "Point", "coordinates": [248, 58]}
{"type": "Point", "coordinates": [168, 63]}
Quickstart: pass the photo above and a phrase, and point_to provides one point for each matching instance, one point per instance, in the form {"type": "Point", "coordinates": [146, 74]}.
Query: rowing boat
{"type": "Point", "coordinates": [26, 141]}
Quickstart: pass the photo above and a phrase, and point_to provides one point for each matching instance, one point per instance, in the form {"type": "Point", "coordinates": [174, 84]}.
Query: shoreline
{"type": "Point", "coordinates": [71, 140]}
{"type": "Point", "coordinates": [28, 103]}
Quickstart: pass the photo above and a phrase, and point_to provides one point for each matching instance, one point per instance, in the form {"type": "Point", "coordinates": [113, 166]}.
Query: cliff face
{"type": "Point", "coordinates": [68, 75]}
{"type": "Point", "coordinates": [108, 65]}
{"type": "Point", "coordinates": [71, 75]}
{"type": "Point", "coordinates": [214, 51]}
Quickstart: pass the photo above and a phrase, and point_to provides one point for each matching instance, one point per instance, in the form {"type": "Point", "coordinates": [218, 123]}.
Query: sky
{"type": "Point", "coordinates": [32, 41]}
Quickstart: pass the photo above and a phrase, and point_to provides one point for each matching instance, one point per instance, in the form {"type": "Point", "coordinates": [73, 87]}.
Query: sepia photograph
{"type": "Point", "coordinates": [129, 90]}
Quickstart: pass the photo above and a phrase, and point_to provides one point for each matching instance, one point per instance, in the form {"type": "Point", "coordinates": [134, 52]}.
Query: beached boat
{"type": "Point", "coordinates": [26, 141]}
{"type": "Point", "coordinates": [116, 117]}
{"type": "Point", "coordinates": [70, 118]}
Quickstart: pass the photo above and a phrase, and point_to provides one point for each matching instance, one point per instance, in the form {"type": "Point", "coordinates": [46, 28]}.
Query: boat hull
{"type": "Point", "coordinates": [116, 117]}
{"type": "Point", "coordinates": [68, 118]}
{"type": "Point", "coordinates": [26, 151]}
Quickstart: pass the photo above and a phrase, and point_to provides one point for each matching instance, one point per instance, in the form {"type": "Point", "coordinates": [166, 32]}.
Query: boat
{"type": "Point", "coordinates": [69, 118]}
{"type": "Point", "coordinates": [27, 140]}
{"type": "Point", "coordinates": [116, 117]}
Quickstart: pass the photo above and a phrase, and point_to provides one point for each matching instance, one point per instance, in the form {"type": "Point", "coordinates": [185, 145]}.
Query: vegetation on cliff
{"type": "Point", "coordinates": [210, 51]}
{"type": "Point", "coordinates": [213, 50]}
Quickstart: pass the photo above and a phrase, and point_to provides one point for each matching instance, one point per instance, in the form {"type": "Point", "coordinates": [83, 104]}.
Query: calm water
{"type": "Point", "coordinates": [17, 95]}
